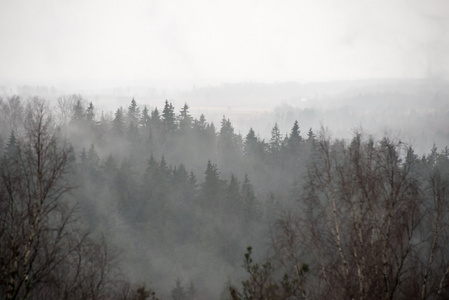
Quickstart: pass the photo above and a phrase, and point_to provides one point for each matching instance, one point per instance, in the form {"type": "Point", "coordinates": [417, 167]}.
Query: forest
{"type": "Point", "coordinates": [154, 203]}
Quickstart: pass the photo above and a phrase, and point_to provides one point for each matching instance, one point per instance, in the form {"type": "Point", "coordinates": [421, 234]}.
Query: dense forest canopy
{"type": "Point", "coordinates": [148, 199]}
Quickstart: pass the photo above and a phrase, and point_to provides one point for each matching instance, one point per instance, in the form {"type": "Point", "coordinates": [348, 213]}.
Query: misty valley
{"type": "Point", "coordinates": [157, 203]}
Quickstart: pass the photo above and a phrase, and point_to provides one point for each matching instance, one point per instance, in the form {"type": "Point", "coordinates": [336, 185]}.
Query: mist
{"type": "Point", "coordinates": [234, 150]}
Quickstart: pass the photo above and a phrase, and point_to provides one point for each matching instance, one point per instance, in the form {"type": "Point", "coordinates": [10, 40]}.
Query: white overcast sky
{"type": "Point", "coordinates": [200, 42]}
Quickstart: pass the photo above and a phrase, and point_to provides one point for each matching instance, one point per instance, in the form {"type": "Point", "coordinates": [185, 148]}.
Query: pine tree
{"type": "Point", "coordinates": [295, 138]}
{"type": "Point", "coordinates": [200, 124]}
{"type": "Point", "coordinates": [229, 144]}
{"type": "Point", "coordinates": [211, 186]}
{"type": "Point", "coordinates": [145, 118]}
{"type": "Point", "coordinates": [185, 120]}
{"type": "Point", "coordinates": [276, 140]}
{"type": "Point", "coordinates": [118, 123]}
{"type": "Point", "coordinates": [310, 136]}
{"type": "Point", "coordinates": [168, 117]}
{"type": "Point", "coordinates": [250, 146]}
{"type": "Point", "coordinates": [249, 200]}
{"type": "Point", "coordinates": [126, 189]}
{"type": "Point", "coordinates": [78, 110]}
{"type": "Point", "coordinates": [90, 114]}
{"type": "Point", "coordinates": [233, 196]}
{"type": "Point", "coordinates": [133, 112]}
{"type": "Point", "coordinates": [155, 116]}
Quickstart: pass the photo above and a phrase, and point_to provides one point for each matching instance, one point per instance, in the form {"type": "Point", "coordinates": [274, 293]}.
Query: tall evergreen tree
{"type": "Point", "coordinates": [168, 117]}
{"type": "Point", "coordinates": [90, 113]}
{"type": "Point", "coordinates": [118, 124]}
{"type": "Point", "coordinates": [126, 188]}
{"type": "Point", "coordinates": [145, 118]}
{"type": "Point", "coordinates": [249, 200]}
{"type": "Point", "coordinates": [295, 138]}
{"type": "Point", "coordinates": [78, 110]}
{"type": "Point", "coordinates": [233, 196]}
{"type": "Point", "coordinates": [133, 112]}
{"type": "Point", "coordinates": [185, 120]}
{"type": "Point", "coordinates": [250, 146]}
{"type": "Point", "coordinates": [275, 140]}
{"type": "Point", "coordinates": [230, 145]}
{"type": "Point", "coordinates": [310, 136]}
{"type": "Point", "coordinates": [211, 186]}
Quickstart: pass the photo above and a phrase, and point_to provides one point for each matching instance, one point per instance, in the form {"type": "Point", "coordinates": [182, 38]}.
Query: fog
{"type": "Point", "coordinates": [179, 133]}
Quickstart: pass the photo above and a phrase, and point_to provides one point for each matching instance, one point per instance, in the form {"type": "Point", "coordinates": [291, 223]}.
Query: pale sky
{"type": "Point", "coordinates": [151, 43]}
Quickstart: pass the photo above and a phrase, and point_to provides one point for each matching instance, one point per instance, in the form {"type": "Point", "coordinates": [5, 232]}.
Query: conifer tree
{"type": "Point", "coordinates": [145, 118]}
{"type": "Point", "coordinates": [250, 146]}
{"type": "Point", "coordinates": [133, 112]}
{"type": "Point", "coordinates": [275, 140]}
{"type": "Point", "coordinates": [90, 114]}
{"type": "Point", "coordinates": [249, 200]}
{"type": "Point", "coordinates": [211, 186]}
{"type": "Point", "coordinates": [118, 124]}
{"type": "Point", "coordinates": [185, 120]}
{"type": "Point", "coordinates": [233, 196]}
{"type": "Point", "coordinates": [168, 117]}
{"type": "Point", "coordinates": [310, 136]}
{"type": "Point", "coordinates": [78, 110]}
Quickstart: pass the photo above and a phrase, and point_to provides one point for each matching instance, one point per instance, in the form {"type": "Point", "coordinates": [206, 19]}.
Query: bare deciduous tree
{"type": "Point", "coordinates": [44, 251]}
{"type": "Point", "coordinates": [372, 224]}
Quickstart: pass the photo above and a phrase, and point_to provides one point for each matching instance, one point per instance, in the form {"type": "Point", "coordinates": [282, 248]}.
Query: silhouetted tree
{"type": "Point", "coordinates": [118, 124]}
{"type": "Point", "coordinates": [168, 117]}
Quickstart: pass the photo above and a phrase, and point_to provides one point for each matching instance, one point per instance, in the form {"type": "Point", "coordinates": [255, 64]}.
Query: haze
{"type": "Point", "coordinates": [144, 145]}
{"type": "Point", "coordinates": [177, 44]}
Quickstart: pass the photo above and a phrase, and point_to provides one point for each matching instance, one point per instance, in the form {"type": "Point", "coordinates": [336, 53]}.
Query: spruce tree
{"type": "Point", "coordinates": [168, 117]}
{"type": "Point", "coordinates": [90, 114]}
{"type": "Point", "coordinates": [118, 124]}
{"type": "Point", "coordinates": [185, 120]}
{"type": "Point", "coordinates": [78, 110]}
{"type": "Point", "coordinates": [145, 118]}
{"type": "Point", "coordinates": [133, 112]}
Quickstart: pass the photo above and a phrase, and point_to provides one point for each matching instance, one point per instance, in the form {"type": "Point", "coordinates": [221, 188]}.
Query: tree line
{"type": "Point", "coordinates": [326, 217]}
